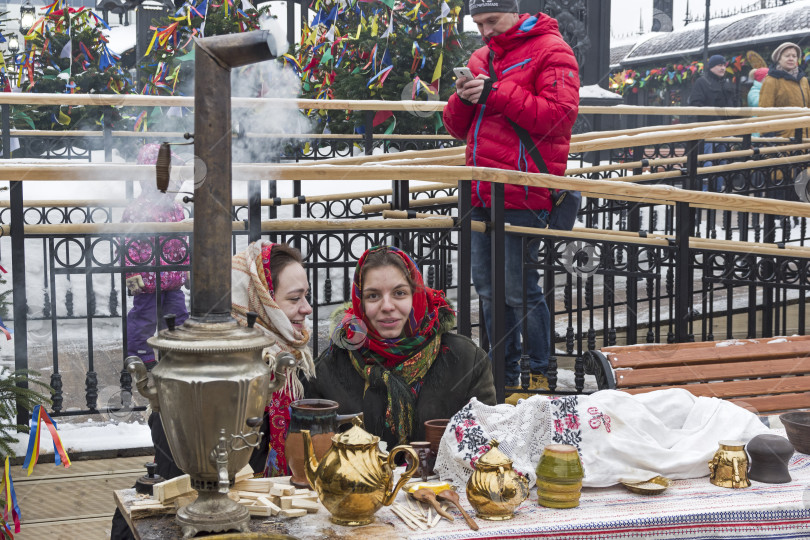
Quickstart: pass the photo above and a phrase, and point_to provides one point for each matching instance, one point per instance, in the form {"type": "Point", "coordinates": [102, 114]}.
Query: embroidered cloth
{"type": "Point", "coordinates": [620, 437]}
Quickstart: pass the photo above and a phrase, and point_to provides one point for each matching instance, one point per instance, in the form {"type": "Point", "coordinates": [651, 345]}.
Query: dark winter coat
{"type": "Point", "coordinates": [462, 370]}
{"type": "Point", "coordinates": [710, 90]}
{"type": "Point", "coordinates": [538, 88]}
{"type": "Point", "coordinates": [781, 89]}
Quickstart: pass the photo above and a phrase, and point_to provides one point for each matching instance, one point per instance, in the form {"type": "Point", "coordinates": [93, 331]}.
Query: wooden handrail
{"type": "Point", "coordinates": [133, 100]}
{"type": "Point", "coordinates": [427, 173]}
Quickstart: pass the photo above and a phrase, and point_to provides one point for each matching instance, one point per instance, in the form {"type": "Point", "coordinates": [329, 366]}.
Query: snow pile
{"type": "Point", "coordinates": [91, 436]}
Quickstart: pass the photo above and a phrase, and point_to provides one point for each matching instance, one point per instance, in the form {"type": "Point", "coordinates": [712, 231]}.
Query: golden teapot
{"type": "Point", "coordinates": [495, 489]}
{"type": "Point", "coordinates": [354, 478]}
{"type": "Point", "coordinates": [729, 466]}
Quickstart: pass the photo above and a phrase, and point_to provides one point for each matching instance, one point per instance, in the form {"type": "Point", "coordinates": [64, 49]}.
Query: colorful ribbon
{"type": "Point", "coordinates": [39, 416]}
{"type": "Point", "coordinates": [10, 495]}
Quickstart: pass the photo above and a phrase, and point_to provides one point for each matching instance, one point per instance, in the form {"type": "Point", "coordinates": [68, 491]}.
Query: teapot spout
{"type": "Point", "coordinates": [310, 461]}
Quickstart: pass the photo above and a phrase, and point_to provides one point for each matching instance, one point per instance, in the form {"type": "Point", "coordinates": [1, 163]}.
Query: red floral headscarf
{"type": "Point", "coordinates": [424, 321]}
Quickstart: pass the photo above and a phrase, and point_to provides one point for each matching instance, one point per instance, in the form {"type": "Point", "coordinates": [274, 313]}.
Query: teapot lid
{"type": "Point", "coordinates": [355, 436]}
{"type": "Point", "coordinates": [494, 457]}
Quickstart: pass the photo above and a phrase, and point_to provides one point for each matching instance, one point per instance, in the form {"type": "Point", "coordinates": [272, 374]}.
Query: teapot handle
{"type": "Point", "coordinates": [412, 466]}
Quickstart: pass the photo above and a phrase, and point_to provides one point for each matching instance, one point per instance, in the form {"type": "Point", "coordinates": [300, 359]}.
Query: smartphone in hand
{"type": "Point", "coordinates": [461, 72]}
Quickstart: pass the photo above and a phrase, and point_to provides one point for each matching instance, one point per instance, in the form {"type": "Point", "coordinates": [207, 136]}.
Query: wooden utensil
{"type": "Point", "coordinates": [451, 496]}
{"type": "Point", "coordinates": [427, 496]}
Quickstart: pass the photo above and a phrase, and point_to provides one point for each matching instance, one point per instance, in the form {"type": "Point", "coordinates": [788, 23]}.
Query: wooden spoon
{"type": "Point", "coordinates": [427, 496]}
{"type": "Point", "coordinates": [451, 496]}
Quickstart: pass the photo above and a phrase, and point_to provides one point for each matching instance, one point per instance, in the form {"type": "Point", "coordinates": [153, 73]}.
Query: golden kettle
{"type": "Point", "coordinates": [355, 478]}
{"type": "Point", "coordinates": [495, 489]}
{"type": "Point", "coordinates": [729, 466]}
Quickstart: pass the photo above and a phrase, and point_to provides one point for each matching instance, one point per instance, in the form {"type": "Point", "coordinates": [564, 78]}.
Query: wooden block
{"type": "Point", "coordinates": [281, 480]}
{"type": "Point", "coordinates": [262, 485]}
{"type": "Point", "coordinates": [268, 503]}
{"type": "Point", "coordinates": [304, 504]}
{"type": "Point", "coordinates": [170, 489]}
{"type": "Point", "coordinates": [244, 474]}
{"type": "Point", "coordinates": [286, 502]}
{"type": "Point", "coordinates": [291, 513]}
{"type": "Point", "coordinates": [281, 490]}
{"type": "Point", "coordinates": [249, 495]}
{"type": "Point", "coordinates": [303, 491]}
{"type": "Point", "coordinates": [258, 510]}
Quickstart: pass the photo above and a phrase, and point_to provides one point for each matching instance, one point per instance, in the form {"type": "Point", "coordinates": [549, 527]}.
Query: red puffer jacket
{"type": "Point", "coordinates": [538, 88]}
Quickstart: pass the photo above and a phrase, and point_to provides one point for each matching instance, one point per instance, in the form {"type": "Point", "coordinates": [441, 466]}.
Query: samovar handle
{"type": "Point", "coordinates": [407, 475]}
{"type": "Point", "coordinates": [284, 361]}
{"type": "Point", "coordinates": [138, 370]}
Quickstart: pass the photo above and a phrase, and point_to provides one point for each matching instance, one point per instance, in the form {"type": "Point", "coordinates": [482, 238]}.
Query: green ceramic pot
{"type": "Point", "coordinates": [559, 477]}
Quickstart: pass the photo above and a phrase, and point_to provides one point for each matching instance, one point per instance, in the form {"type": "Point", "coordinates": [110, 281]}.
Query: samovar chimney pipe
{"type": "Point", "coordinates": [213, 222]}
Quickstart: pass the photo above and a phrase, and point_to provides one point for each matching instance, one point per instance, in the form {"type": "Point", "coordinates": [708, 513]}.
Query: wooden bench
{"type": "Point", "coordinates": [763, 375]}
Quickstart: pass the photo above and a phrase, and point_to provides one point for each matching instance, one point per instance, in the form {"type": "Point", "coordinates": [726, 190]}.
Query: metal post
{"type": "Point", "coordinates": [706, 34]}
{"type": "Point", "coordinates": [464, 258]}
{"type": "Point", "coordinates": [107, 140]}
{"type": "Point", "coordinates": [20, 300]}
{"type": "Point", "coordinates": [254, 210]}
{"type": "Point", "coordinates": [368, 135]}
{"type": "Point", "coordinates": [684, 227]}
{"type": "Point", "coordinates": [291, 22]}
{"type": "Point", "coordinates": [18, 285]}
{"type": "Point", "coordinates": [498, 325]}
{"type": "Point", "coordinates": [5, 110]}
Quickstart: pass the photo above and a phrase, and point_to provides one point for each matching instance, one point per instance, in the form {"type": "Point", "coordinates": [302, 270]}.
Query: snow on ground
{"type": "Point", "coordinates": [91, 436]}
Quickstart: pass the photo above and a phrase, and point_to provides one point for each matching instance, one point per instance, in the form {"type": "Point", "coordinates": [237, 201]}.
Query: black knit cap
{"type": "Point", "coordinates": [487, 6]}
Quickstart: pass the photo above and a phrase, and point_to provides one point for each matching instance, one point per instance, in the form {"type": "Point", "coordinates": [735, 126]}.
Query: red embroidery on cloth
{"type": "Point", "coordinates": [598, 418]}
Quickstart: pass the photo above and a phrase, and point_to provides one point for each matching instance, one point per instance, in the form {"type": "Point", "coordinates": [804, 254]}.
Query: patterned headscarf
{"type": "Point", "coordinates": [399, 363]}
{"type": "Point", "coordinates": [252, 290]}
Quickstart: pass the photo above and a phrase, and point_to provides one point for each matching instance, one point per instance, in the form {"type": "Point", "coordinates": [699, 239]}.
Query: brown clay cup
{"type": "Point", "coordinates": [320, 417]}
{"type": "Point", "coordinates": [427, 459]}
{"type": "Point", "coordinates": [434, 429]}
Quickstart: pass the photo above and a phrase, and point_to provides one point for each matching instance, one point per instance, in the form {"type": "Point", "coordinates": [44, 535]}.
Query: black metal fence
{"type": "Point", "coordinates": [655, 273]}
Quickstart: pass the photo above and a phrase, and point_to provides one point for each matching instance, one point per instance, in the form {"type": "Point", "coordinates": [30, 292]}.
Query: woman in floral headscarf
{"type": "Point", "coordinates": [392, 355]}
{"type": "Point", "coordinates": [269, 279]}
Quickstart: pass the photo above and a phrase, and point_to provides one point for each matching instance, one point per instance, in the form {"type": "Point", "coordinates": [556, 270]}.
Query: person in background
{"type": "Point", "coordinates": [756, 77]}
{"type": "Point", "coordinates": [393, 357]}
{"type": "Point", "coordinates": [713, 90]}
{"type": "Point", "coordinates": [153, 206]}
{"type": "Point", "coordinates": [786, 84]}
{"type": "Point", "coordinates": [527, 81]}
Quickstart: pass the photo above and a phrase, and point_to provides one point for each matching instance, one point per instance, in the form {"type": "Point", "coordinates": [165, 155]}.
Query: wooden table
{"type": "Point", "coordinates": [316, 525]}
{"type": "Point", "coordinates": [688, 509]}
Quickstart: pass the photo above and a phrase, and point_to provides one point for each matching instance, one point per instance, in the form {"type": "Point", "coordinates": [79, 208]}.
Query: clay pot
{"type": "Point", "coordinates": [559, 477]}
{"type": "Point", "coordinates": [797, 427]}
{"type": "Point", "coordinates": [769, 456]}
{"type": "Point", "coordinates": [434, 429]}
{"type": "Point", "coordinates": [427, 459]}
{"type": "Point", "coordinates": [320, 417]}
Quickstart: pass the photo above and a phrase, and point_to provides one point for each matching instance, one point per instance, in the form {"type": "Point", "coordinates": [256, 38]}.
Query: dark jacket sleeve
{"type": "Point", "coordinates": [698, 97]}
{"type": "Point", "coordinates": [482, 385]}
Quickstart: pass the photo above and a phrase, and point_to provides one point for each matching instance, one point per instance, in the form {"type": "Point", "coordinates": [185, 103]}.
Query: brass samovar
{"type": "Point", "coordinates": [211, 384]}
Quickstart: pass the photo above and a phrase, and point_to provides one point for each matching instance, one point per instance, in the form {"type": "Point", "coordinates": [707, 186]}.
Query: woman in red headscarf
{"type": "Point", "coordinates": [392, 355]}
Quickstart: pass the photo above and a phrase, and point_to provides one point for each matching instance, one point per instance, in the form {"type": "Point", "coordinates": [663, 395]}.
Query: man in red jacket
{"type": "Point", "coordinates": [525, 76]}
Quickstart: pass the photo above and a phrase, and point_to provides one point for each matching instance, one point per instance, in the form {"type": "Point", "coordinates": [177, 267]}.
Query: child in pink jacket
{"type": "Point", "coordinates": [153, 206]}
